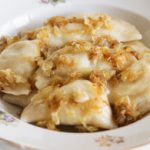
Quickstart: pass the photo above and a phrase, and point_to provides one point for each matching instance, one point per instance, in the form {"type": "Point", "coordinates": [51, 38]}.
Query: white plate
{"type": "Point", "coordinates": [27, 14]}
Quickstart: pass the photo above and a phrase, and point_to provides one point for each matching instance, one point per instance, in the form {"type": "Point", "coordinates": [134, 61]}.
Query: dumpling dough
{"type": "Point", "coordinates": [138, 46]}
{"type": "Point", "coordinates": [80, 102]}
{"type": "Point", "coordinates": [60, 30]}
{"type": "Point", "coordinates": [122, 31]}
{"type": "Point", "coordinates": [20, 100]}
{"type": "Point", "coordinates": [76, 57]}
{"type": "Point", "coordinates": [83, 57]}
{"type": "Point", "coordinates": [17, 64]}
{"type": "Point", "coordinates": [130, 93]}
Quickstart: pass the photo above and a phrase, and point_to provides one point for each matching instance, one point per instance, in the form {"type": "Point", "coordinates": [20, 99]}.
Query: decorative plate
{"type": "Point", "coordinates": [18, 15]}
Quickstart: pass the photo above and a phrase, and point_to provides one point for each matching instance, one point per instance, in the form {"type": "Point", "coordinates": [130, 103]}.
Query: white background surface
{"type": "Point", "coordinates": [24, 6]}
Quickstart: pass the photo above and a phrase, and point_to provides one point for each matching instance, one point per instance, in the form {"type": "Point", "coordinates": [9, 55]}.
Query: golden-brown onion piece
{"type": "Point", "coordinates": [80, 102]}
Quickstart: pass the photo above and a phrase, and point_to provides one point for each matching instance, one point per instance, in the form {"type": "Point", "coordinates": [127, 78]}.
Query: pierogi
{"type": "Point", "coordinates": [89, 72]}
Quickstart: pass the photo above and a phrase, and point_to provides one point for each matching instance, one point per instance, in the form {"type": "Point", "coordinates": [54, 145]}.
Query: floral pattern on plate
{"type": "Point", "coordinates": [52, 1]}
{"type": "Point", "coordinates": [6, 118]}
{"type": "Point", "coordinates": [107, 140]}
